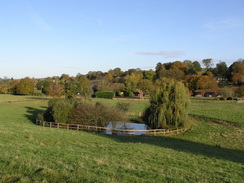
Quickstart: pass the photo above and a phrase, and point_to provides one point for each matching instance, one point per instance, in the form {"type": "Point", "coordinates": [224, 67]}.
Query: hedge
{"type": "Point", "coordinates": [109, 94]}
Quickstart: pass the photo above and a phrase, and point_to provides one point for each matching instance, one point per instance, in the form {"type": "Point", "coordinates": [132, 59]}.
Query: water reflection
{"type": "Point", "coordinates": [126, 126]}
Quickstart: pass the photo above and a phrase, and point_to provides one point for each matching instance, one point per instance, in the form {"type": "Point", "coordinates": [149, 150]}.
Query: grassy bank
{"type": "Point", "coordinates": [209, 152]}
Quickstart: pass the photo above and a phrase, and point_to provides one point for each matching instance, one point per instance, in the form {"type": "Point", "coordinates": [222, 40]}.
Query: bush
{"type": "Point", "coordinates": [60, 110]}
{"type": "Point", "coordinates": [82, 112]}
{"type": "Point", "coordinates": [108, 95]}
{"type": "Point", "coordinates": [240, 91]}
{"type": "Point", "coordinates": [123, 106]}
{"type": "Point", "coordinates": [222, 98]}
{"type": "Point", "coordinates": [169, 104]}
{"type": "Point", "coordinates": [87, 113]}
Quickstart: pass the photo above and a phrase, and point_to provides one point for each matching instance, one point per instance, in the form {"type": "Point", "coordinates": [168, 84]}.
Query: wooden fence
{"type": "Point", "coordinates": [105, 130]}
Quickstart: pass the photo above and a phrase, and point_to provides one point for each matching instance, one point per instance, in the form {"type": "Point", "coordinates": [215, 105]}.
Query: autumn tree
{"type": "Point", "coordinates": [55, 89]}
{"type": "Point", "coordinates": [173, 73]}
{"type": "Point", "coordinates": [191, 81]}
{"type": "Point", "coordinates": [4, 89]}
{"type": "Point", "coordinates": [178, 65]}
{"type": "Point", "coordinates": [25, 86]}
{"type": "Point", "coordinates": [168, 105]}
{"type": "Point", "coordinates": [117, 88]}
{"type": "Point", "coordinates": [13, 86]}
{"type": "Point", "coordinates": [86, 89]}
{"type": "Point", "coordinates": [207, 82]}
{"type": "Point", "coordinates": [236, 72]}
{"type": "Point", "coordinates": [64, 77]}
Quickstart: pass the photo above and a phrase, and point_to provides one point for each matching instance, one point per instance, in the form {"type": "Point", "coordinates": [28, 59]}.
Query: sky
{"type": "Point", "coordinates": [41, 38]}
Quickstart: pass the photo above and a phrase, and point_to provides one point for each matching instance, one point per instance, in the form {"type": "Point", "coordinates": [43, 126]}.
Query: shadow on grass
{"type": "Point", "coordinates": [184, 146]}
{"type": "Point", "coordinates": [32, 113]}
{"type": "Point", "coordinates": [167, 142]}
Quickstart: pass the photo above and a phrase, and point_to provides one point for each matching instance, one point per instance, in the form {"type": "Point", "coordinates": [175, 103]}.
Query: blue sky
{"type": "Point", "coordinates": [41, 38]}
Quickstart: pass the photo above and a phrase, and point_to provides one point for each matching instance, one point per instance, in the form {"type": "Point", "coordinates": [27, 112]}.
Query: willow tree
{"type": "Point", "coordinates": [169, 104]}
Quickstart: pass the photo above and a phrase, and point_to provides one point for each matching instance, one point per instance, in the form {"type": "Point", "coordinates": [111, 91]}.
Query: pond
{"type": "Point", "coordinates": [126, 126]}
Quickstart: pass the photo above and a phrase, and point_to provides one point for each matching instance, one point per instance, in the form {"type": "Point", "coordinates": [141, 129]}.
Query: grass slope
{"type": "Point", "coordinates": [209, 152]}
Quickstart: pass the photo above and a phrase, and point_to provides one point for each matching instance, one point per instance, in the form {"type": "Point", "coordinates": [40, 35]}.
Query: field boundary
{"type": "Point", "coordinates": [22, 101]}
{"type": "Point", "coordinates": [98, 129]}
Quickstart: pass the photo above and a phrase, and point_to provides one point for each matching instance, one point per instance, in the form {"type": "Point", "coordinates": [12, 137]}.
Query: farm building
{"type": "Point", "coordinates": [138, 94]}
{"type": "Point", "coordinates": [208, 93]}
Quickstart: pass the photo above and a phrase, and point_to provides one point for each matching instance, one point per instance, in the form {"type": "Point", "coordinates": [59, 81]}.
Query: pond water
{"type": "Point", "coordinates": [126, 126]}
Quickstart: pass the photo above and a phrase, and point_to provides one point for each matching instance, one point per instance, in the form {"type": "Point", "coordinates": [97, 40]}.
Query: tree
{"type": "Point", "coordinates": [196, 66]}
{"type": "Point", "coordinates": [188, 64]}
{"type": "Point", "coordinates": [207, 63]}
{"type": "Point", "coordinates": [55, 89]}
{"type": "Point", "coordinates": [4, 89]}
{"type": "Point", "coordinates": [131, 83]}
{"type": "Point", "coordinates": [104, 85]}
{"type": "Point", "coordinates": [145, 85]}
{"type": "Point", "coordinates": [168, 105]}
{"type": "Point", "coordinates": [13, 86]}
{"type": "Point", "coordinates": [236, 72]}
{"type": "Point", "coordinates": [207, 82]}
{"type": "Point", "coordinates": [117, 71]}
{"type": "Point", "coordinates": [64, 78]}
{"type": "Point", "coordinates": [117, 88]}
{"type": "Point", "coordinates": [220, 69]}
{"type": "Point", "coordinates": [86, 89]}
{"type": "Point", "coordinates": [25, 86]}
{"type": "Point", "coordinates": [173, 73]}
{"type": "Point", "coordinates": [150, 74]}
{"type": "Point", "coordinates": [191, 81]}
{"type": "Point", "coordinates": [178, 65]}
{"type": "Point", "coordinates": [159, 70]}
{"type": "Point", "coordinates": [71, 89]}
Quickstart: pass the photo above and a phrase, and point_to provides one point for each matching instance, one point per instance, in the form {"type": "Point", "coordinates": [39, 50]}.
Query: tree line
{"type": "Point", "coordinates": [126, 82]}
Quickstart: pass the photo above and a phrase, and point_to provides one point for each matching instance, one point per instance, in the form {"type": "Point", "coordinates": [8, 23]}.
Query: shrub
{"type": "Point", "coordinates": [240, 91]}
{"type": "Point", "coordinates": [60, 110]}
{"type": "Point", "coordinates": [87, 113]}
{"type": "Point", "coordinates": [123, 106]}
{"type": "Point", "coordinates": [109, 94]}
{"type": "Point", "coordinates": [169, 104]}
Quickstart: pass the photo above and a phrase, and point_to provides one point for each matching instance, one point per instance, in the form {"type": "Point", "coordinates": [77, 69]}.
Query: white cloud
{"type": "Point", "coordinates": [227, 23]}
{"type": "Point", "coordinates": [165, 53]}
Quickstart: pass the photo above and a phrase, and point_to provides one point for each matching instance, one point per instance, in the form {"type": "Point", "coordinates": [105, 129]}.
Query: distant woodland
{"type": "Point", "coordinates": [229, 80]}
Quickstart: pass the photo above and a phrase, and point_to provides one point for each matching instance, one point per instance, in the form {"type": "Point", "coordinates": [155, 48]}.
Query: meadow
{"type": "Point", "coordinates": [208, 152]}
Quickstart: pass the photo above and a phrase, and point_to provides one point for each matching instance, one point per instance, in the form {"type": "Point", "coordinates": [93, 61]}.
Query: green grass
{"type": "Point", "coordinates": [229, 111]}
{"type": "Point", "coordinates": [208, 152]}
{"type": "Point", "coordinates": [16, 98]}
{"type": "Point", "coordinates": [232, 112]}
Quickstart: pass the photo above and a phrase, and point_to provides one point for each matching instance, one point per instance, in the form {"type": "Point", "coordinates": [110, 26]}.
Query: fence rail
{"type": "Point", "coordinates": [98, 129]}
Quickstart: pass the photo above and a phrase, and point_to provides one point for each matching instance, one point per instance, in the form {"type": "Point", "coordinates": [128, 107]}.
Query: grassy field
{"type": "Point", "coordinates": [208, 152]}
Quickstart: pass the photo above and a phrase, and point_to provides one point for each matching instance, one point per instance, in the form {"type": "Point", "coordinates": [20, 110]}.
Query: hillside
{"type": "Point", "coordinates": [209, 152]}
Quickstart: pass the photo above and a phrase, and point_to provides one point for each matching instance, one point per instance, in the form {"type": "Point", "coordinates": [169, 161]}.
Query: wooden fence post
{"type": "Point", "coordinates": [58, 125]}
{"type": "Point", "coordinates": [77, 127]}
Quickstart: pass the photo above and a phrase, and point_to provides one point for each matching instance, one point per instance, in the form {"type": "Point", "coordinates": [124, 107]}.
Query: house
{"type": "Point", "coordinates": [208, 93]}
{"type": "Point", "coordinates": [138, 94]}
